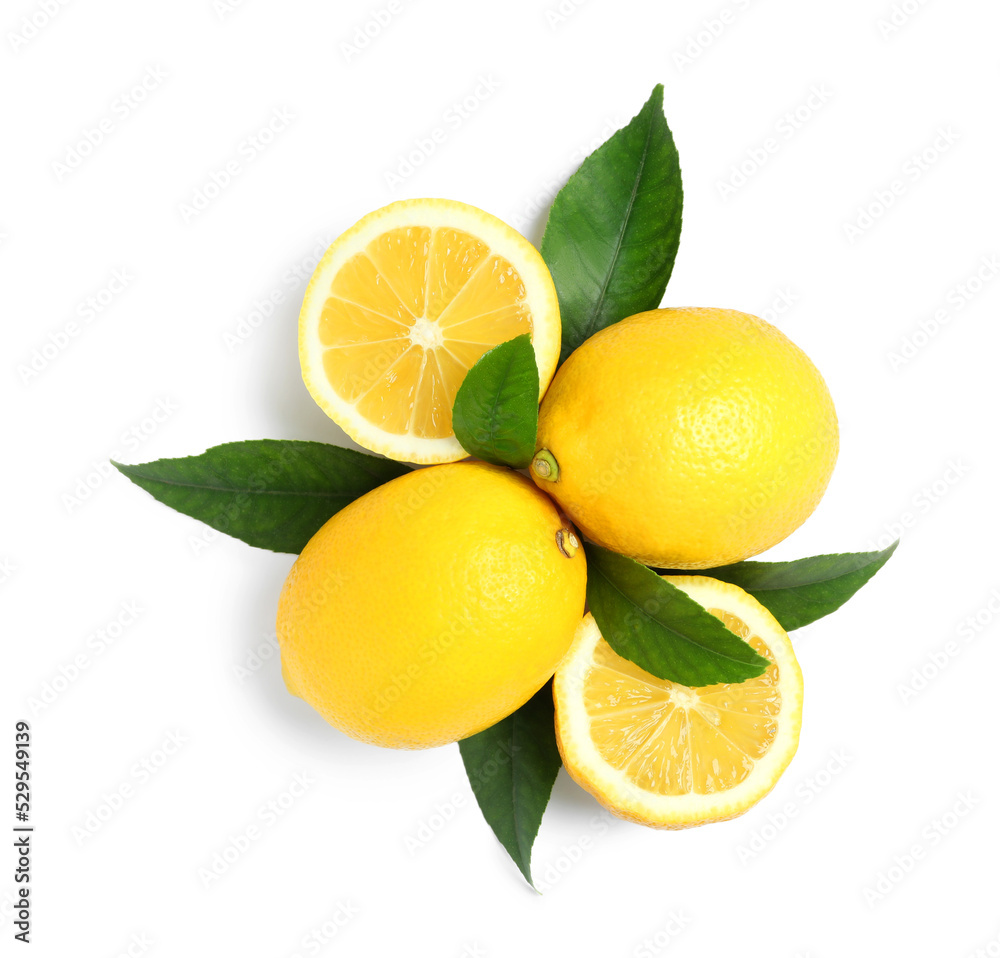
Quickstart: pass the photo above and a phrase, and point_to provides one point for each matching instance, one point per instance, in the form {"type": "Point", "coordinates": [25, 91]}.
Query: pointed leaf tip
{"type": "Point", "coordinates": [613, 231]}
{"type": "Point", "coordinates": [512, 767]}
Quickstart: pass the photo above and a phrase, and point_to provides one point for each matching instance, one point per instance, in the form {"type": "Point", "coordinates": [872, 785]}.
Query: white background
{"type": "Point", "coordinates": [367, 845]}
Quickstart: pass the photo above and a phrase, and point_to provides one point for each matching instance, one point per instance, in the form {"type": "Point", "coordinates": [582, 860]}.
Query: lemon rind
{"type": "Point", "coordinates": [502, 239]}
{"type": "Point", "coordinates": [612, 788]}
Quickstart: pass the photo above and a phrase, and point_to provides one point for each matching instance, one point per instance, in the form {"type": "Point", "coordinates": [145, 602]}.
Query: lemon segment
{"type": "Point", "coordinates": [669, 756]}
{"type": "Point", "coordinates": [401, 307]}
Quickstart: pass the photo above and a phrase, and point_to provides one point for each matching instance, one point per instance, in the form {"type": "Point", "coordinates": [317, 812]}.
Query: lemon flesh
{"type": "Point", "coordinates": [666, 755]}
{"type": "Point", "coordinates": [401, 307]}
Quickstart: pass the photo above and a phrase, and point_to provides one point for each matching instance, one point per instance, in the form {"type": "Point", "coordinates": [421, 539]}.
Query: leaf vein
{"type": "Point", "coordinates": [595, 312]}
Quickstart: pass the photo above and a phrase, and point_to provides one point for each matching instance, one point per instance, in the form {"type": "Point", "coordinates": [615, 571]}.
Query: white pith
{"type": "Point", "coordinates": [584, 760]}
{"type": "Point", "coordinates": [502, 240]}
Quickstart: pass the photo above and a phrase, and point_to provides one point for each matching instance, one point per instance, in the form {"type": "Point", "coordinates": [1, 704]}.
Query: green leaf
{"type": "Point", "coordinates": [272, 493]}
{"type": "Point", "coordinates": [512, 767]}
{"type": "Point", "coordinates": [496, 408]}
{"type": "Point", "coordinates": [660, 628]}
{"type": "Point", "coordinates": [797, 593]}
{"type": "Point", "coordinates": [613, 231]}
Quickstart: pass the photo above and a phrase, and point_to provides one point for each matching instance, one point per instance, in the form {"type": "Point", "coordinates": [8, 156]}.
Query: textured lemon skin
{"type": "Point", "coordinates": [432, 607]}
{"type": "Point", "coordinates": [589, 771]}
{"type": "Point", "coordinates": [689, 438]}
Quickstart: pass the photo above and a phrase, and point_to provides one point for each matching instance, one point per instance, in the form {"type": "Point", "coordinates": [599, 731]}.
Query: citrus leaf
{"type": "Point", "coordinates": [512, 767]}
{"type": "Point", "coordinates": [660, 628]}
{"type": "Point", "coordinates": [496, 408]}
{"type": "Point", "coordinates": [271, 493]}
{"type": "Point", "coordinates": [797, 593]}
{"type": "Point", "coordinates": [614, 228]}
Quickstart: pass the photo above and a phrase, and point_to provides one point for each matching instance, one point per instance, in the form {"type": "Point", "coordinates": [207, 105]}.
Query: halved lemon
{"type": "Point", "coordinates": [669, 756]}
{"type": "Point", "coordinates": [403, 304]}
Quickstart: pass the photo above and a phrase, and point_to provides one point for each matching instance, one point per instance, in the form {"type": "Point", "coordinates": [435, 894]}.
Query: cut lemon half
{"type": "Point", "coordinates": [399, 309]}
{"type": "Point", "coordinates": [670, 756]}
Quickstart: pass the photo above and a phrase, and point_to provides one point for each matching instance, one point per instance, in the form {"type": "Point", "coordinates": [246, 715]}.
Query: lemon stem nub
{"type": "Point", "coordinates": [544, 465]}
{"type": "Point", "coordinates": [568, 542]}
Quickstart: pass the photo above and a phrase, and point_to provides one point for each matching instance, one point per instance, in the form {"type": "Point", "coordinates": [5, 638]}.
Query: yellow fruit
{"type": "Point", "coordinates": [432, 607]}
{"type": "Point", "coordinates": [399, 309]}
{"type": "Point", "coordinates": [669, 756]}
{"type": "Point", "coordinates": [687, 438]}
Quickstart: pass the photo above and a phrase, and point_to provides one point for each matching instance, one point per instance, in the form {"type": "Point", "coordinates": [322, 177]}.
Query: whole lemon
{"type": "Point", "coordinates": [687, 438]}
{"type": "Point", "coordinates": [432, 607]}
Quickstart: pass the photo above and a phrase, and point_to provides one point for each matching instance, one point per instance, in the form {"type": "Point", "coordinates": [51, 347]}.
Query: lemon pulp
{"type": "Point", "coordinates": [403, 304]}
{"type": "Point", "coordinates": [678, 739]}
{"type": "Point", "coordinates": [406, 319]}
